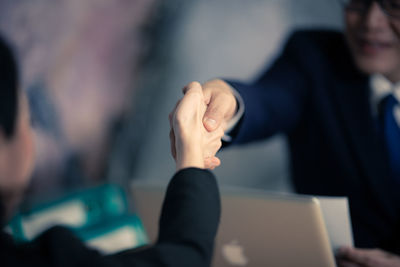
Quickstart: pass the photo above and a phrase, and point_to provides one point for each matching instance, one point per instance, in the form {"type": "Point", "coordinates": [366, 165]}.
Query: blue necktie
{"type": "Point", "coordinates": [391, 133]}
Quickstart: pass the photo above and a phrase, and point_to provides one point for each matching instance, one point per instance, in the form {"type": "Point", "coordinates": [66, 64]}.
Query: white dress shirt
{"type": "Point", "coordinates": [380, 88]}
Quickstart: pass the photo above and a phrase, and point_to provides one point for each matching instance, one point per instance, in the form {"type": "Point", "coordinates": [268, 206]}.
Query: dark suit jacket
{"type": "Point", "coordinates": [188, 225]}
{"type": "Point", "coordinates": [316, 96]}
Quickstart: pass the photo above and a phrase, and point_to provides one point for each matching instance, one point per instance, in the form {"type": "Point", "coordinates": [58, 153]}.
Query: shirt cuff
{"type": "Point", "coordinates": [236, 118]}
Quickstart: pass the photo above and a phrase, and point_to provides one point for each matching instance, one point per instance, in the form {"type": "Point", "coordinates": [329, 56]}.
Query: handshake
{"type": "Point", "coordinates": [195, 138]}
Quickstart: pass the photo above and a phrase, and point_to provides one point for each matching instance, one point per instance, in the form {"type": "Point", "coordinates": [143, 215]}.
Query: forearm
{"type": "Point", "coordinates": [188, 224]}
{"type": "Point", "coordinates": [190, 157]}
{"type": "Point", "coordinates": [191, 206]}
{"type": "Point", "coordinates": [191, 214]}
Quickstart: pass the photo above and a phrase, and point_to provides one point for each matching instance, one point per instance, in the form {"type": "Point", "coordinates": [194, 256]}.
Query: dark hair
{"type": "Point", "coordinates": [8, 89]}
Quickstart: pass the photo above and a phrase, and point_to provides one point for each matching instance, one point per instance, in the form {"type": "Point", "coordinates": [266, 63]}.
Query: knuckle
{"type": "Point", "coordinates": [190, 86]}
{"type": "Point", "coordinates": [194, 84]}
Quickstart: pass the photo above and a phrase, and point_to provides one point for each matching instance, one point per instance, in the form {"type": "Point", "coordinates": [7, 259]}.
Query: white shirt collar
{"type": "Point", "coordinates": [381, 87]}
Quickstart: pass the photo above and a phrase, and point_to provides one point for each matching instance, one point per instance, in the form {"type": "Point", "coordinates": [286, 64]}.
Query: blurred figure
{"type": "Point", "coordinates": [336, 98]}
{"type": "Point", "coordinates": [81, 64]}
{"type": "Point", "coordinates": [191, 208]}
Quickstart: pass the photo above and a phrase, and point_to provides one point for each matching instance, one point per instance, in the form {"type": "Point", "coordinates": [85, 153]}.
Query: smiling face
{"type": "Point", "coordinates": [374, 40]}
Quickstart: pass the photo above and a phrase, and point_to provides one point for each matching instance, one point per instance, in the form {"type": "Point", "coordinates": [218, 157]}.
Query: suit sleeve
{"type": "Point", "coordinates": [188, 225]}
{"type": "Point", "coordinates": [275, 101]}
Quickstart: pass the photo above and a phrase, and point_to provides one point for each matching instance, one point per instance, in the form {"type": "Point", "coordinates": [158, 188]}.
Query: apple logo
{"type": "Point", "coordinates": [234, 253]}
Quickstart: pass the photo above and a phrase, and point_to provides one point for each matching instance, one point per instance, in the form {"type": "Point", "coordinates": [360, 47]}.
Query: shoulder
{"type": "Point", "coordinates": [73, 251]}
{"type": "Point", "coordinates": [317, 35]}
{"type": "Point", "coordinates": [328, 38]}
{"type": "Point", "coordinates": [325, 48]}
{"type": "Point", "coordinates": [323, 40]}
{"type": "Point", "coordinates": [56, 246]}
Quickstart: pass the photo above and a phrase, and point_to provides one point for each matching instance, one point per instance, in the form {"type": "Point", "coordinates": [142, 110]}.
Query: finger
{"type": "Point", "coordinates": [217, 110]}
{"type": "Point", "coordinates": [211, 143]}
{"type": "Point", "coordinates": [190, 86]}
{"type": "Point", "coordinates": [211, 162]}
{"type": "Point", "coordinates": [192, 105]}
{"type": "Point", "coordinates": [346, 263]}
{"type": "Point", "coordinates": [207, 163]}
{"type": "Point", "coordinates": [216, 135]}
{"type": "Point", "coordinates": [365, 257]}
{"type": "Point", "coordinates": [216, 161]}
{"type": "Point", "coordinates": [172, 143]}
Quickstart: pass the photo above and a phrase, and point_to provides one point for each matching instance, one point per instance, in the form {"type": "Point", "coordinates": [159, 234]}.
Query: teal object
{"type": "Point", "coordinates": [124, 232]}
{"type": "Point", "coordinates": [78, 210]}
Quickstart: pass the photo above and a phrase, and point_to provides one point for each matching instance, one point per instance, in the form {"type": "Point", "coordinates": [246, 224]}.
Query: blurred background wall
{"type": "Point", "coordinates": [235, 39]}
{"type": "Point", "coordinates": [102, 77]}
{"type": "Point", "coordinates": [79, 62]}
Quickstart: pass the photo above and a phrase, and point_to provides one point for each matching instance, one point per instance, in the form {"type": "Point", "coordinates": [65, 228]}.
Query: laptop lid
{"type": "Point", "coordinates": [256, 229]}
{"type": "Point", "coordinates": [271, 230]}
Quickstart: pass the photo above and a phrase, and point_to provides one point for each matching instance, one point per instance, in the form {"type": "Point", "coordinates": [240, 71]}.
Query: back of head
{"type": "Point", "coordinates": [8, 89]}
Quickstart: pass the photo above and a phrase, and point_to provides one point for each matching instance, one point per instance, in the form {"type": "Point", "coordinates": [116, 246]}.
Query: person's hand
{"type": "Point", "coordinates": [354, 257]}
{"type": "Point", "coordinates": [191, 144]}
{"type": "Point", "coordinates": [221, 104]}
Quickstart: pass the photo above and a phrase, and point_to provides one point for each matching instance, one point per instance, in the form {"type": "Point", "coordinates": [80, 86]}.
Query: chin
{"type": "Point", "coordinates": [371, 66]}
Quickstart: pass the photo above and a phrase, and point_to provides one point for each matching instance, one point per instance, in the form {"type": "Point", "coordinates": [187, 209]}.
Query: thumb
{"type": "Point", "coordinates": [214, 115]}
{"type": "Point", "coordinates": [221, 104]}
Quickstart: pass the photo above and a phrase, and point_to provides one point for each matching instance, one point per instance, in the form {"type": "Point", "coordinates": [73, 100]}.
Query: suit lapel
{"type": "Point", "coordinates": [352, 99]}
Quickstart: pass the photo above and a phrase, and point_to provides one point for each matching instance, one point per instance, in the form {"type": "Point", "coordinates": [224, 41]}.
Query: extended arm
{"type": "Point", "coordinates": [273, 103]}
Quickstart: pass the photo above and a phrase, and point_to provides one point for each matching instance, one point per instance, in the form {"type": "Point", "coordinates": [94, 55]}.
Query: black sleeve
{"type": "Point", "coordinates": [55, 247]}
{"type": "Point", "coordinates": [188, 225]}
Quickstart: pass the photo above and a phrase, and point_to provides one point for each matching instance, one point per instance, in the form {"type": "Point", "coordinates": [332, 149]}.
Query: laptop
{"type": "Point", "coordinates": [257, 228]}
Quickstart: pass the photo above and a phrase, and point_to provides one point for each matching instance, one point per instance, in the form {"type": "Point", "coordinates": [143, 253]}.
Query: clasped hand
{"type": "Point", "coordinates": [356, 257]}
{"type": "Point", "coordinates": [191, 144]}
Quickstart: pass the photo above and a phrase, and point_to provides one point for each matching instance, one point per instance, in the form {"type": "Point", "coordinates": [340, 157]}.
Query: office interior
{"type": "Point", "coordinates": [102, 77]}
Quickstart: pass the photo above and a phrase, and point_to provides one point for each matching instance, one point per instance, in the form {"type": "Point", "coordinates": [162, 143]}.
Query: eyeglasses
{"type": "Point", "coordinates": [390, 7]}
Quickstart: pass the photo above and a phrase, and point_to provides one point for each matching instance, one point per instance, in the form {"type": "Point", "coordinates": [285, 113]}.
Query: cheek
{"type": "Point", "coordinates": [352, 20]}
{"type": "Point", "coordinates": [28, 152]}
{"type": "Point", "coordinates": [395, 29]}
{"type": "Point", "coordinates": [24, 154]}
{"type": "Point", "coordinates": [18, 163]}
{"type": "Point", "coordinates": [395, 26]}
{"type": "Point", "coordinates": [395, 55]}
